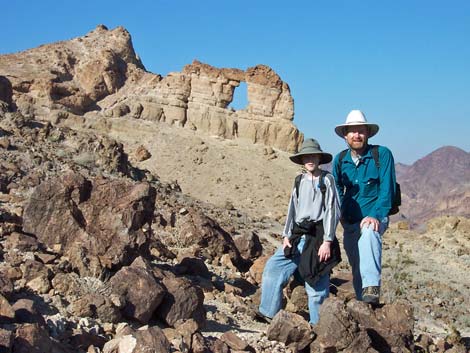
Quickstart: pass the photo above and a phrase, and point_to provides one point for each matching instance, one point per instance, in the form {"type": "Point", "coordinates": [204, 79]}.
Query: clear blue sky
{"type": "Point", "coordinates": [405, 63]}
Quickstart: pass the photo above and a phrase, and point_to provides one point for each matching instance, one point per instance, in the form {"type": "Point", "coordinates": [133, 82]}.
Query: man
{"type": "Point", "coordinates": [309, 240]}
{"type": "Point", "coordinates": [366, 189]}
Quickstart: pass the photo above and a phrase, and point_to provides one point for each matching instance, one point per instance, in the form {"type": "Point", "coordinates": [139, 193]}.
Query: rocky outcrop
{"type": "Point", "coordinates": [99, 75]}
{"type": "Point", "coordinates": [356, 327]}
{"type": "Point", "coordinates": [50, 303]}
{"type": "Point", "coordinates": [99, 224]}
{"type": "Point", "coordinates": [199, 98]}
{"type": "Point", "coordinates": [71, 75]}
{"type": "Point", "coordinates": [71, 207]}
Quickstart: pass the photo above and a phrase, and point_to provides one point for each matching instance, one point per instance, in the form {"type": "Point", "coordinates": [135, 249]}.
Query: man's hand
{"type": "Point", "coordinates": [324, 253]}
{"type": "Point", "coordinates": [367, 221]}
{"type": "Point", "coordinates": [286, 242]}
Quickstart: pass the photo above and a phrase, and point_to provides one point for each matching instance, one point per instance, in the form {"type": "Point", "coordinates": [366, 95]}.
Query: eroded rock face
{"type": "Point", "coordinates": [199, 98]}
{"type": "Point", "coordinates": [100, 75]}
{"type": "Point", "coordinates": [99, 223]}
{"type": "Point", "coordinates": [71, 74]}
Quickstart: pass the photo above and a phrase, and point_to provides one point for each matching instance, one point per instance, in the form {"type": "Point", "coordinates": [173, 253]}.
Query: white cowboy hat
{"type": "Point", "coordinates": [356, 117]}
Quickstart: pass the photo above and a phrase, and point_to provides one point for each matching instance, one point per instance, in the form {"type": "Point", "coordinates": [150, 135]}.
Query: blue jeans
{"type": "Point", "coordinates": [364, 250]}
{"type": "Point", "coordinates": [276, 274]}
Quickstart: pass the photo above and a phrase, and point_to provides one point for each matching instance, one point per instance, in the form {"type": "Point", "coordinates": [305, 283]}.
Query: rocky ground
{"type": "Point", "coordinates": [245, 176]}
{"type": "Point", "coordinates": [159, 268]}
{"type": "Point", "coordinates": [137, 213]}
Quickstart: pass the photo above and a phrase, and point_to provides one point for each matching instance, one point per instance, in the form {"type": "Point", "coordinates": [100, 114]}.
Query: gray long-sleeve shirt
{"type": "Point", "coordinates": [309, 205]}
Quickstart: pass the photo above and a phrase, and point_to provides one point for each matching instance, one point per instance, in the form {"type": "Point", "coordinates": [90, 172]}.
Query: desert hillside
{"type": "Point", "coordinates": [185, 122]}
{"type": "Point", "coordinates": [137, 213]}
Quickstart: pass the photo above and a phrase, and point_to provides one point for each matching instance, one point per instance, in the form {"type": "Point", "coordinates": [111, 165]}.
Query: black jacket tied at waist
{"type": "Point", "coordinates": [310, 267]}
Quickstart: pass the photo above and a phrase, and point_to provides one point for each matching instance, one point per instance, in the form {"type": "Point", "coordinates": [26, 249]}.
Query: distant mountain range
{"type": "Point", "coordinates": [437, 184]}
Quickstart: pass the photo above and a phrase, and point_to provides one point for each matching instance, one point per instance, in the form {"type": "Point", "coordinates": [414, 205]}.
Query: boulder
{"type": "Point", "coordinates": [182, 301]}
{"type": "Point", "coordinates": [249, 245]}
{"type": "Point", "coordinates": [6, 339]}
{"type": "Point", "coordinates": [336, 329]}
{"type": "Point", "coordinates": [140, 289]}
{"type": "Point", "coordinates": [99, 223]}
{"type": "Point", "coordinates": [95, 305]}
{"type": "Point", "coordinates": [33, 338]}
{"type": "Point", "coordinates": [146, 339]}
{"type": "Point", "coordinates": [256, 270]}
{"type": "Point", "coordinates": [26, 311]}
{"type": "Point", "coordinates": [234, 342]}
{"type": "Point", "coordinates": [344, 325]}
{"type": "Point", "coordinates": [6, 285]}
{"type": "Point", "coordinates": [389, 326]}
{"type": "Point", "coordinates": [142, 154]}
{"type": "Point", "coordinates": [193, 266]}
{"type": "Point", "coordinates": [203, 233]}
{"type": "Point", "coordinates": [7, 313]}
{"type": "Point", "coordinates": [291, 329]}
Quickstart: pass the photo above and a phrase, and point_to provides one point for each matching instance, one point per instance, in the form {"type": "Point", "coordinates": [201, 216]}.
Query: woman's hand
{"type": "Point", "coordinates": [324, 253]}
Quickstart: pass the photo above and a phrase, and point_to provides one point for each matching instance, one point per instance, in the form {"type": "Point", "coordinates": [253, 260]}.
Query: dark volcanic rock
{"type": "Point", "coordinates": [343, 326]}
{"type": "Point", "coordinates": [183, 301]}
{"type": "Point", "coordinates": [5, 90]}
{"type": "Point", "coordinates": [100, 224]}
{"type": "Point", "coordinates": [291, 329]}
{"type": "Point", "coordinates": [141, 291]}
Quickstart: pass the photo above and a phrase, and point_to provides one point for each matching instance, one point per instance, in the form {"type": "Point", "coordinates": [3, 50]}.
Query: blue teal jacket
{"type": "Point", "coordinates": [365, 190]}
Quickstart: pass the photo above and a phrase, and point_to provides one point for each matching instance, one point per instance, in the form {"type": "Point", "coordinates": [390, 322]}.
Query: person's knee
{"type": "Point", "coordinates": [368, 234]}
{"type": "Point", "coordinates": [269, 273]}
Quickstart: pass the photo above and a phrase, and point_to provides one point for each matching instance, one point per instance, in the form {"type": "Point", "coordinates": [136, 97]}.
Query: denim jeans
{"type": "Point", "coordinates": [276, 274]}
{"type": "Point", "coordinates": [364, 250]}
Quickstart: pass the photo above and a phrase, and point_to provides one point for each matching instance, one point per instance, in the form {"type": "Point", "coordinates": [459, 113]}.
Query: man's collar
{"type": "Point", "coordinates": [366, 153]}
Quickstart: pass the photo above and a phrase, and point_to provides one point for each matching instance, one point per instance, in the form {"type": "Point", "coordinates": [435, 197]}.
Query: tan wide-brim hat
{"type": "Point", "coordinates": [311, 146]}
{"type": "Point", "coordinates": [356, 117]}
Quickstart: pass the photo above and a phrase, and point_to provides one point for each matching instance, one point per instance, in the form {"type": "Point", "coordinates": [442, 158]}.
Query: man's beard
{"type": "Point", "coordinates": [358, 145]}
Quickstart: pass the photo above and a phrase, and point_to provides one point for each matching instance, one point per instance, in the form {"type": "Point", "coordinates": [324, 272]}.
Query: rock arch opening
{"type": "Point", "coordinates": [240, 97]}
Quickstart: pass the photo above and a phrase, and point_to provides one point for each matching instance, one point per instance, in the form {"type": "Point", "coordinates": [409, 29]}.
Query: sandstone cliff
{"type": "Point", "coordinates": [99, 75]}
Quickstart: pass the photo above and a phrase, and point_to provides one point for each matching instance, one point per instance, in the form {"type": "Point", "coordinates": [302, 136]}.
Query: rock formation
{"type": "Point", "coordinates": [71, 75]}
{"type": "Point", "coordinates": [97, 255]}
{"type": "Point", "coordinates": [99, 75]}
{"type": "Point", "coordinates": [98, 224]}
{"type": "Point", "coordinates": [199, 98]}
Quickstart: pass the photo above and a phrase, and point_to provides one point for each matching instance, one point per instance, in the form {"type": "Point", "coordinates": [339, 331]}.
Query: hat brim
{"type": "Point", "coordinates": [324, 157]}
{"type": "Point", "coordinates": [340, 129]}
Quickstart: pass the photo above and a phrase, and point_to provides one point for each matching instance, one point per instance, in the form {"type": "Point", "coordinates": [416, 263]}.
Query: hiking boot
{"type": "Point", "coordinates": [371, 295]}
{"type": "Point", "coordinates": [262, 318]}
